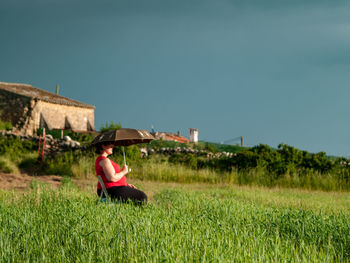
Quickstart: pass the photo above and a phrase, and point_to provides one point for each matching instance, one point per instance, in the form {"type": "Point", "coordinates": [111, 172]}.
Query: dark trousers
{"type": "Point", "coordinates": [124, 194]}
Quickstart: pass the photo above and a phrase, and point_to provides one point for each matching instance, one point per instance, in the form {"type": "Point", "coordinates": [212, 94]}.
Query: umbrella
{"type": "Point", "coordinates": [124, 137]}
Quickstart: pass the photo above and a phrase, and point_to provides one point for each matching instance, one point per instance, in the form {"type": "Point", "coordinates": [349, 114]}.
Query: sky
{"type": "Point", "coordinates": [272, 71]}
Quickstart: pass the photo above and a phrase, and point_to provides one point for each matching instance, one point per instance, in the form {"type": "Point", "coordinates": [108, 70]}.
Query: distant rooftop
{"type": "Point", "coordinates": [35, 93]}
{"type": "Point", "coordinates": [177, 138]}
{"type": "Point", "coordinates": [168, 136]}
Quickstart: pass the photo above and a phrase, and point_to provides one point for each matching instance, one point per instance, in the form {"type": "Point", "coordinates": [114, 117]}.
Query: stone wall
{"type": "Point", "coordinates": [15, 108]}
{"type": "Point", "coordinates": [53, 147]}
{"type": "Point", "coordinates": [179, 150]}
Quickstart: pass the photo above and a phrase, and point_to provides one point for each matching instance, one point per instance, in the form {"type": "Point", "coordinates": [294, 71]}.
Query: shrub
{"type": "Point", "coordinates": [210, 148]}
{"type": "Point", "coordinates": [81, 137]}
{"type": "Point", "coordinates": [14, 149]}
{"type": "Point", "coordinates": [60, 165]}
{"type": "Point", "coordinates": [110, 126]}
{"type": "Point", "coordinates": [7, 166]}
{"type": "Point", "coordinates": [188, 159]}
{"type": "Point", "coordinates": [5, 125]}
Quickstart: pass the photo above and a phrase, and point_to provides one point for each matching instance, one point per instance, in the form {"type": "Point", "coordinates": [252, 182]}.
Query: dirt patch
{"type": "Point", "coordinates": [22, 181]}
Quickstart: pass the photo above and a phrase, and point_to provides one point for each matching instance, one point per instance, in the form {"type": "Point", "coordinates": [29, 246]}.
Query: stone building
{"type": "Point", "coordinates": [29, 108]}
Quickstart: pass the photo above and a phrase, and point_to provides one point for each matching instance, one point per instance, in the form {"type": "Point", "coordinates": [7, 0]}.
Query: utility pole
{"type": "Point", "coordinates": [57, 89]}
{"type": "Point", "coordinates": [241, 141]}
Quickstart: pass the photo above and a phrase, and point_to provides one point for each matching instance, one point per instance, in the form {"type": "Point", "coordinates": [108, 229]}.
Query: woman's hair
{"type": "Point", "coordinates": [98, 147]}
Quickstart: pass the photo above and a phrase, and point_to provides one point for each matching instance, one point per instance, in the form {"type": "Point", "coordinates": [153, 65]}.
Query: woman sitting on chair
{"type": "Point", "coordinates": [113, 178]}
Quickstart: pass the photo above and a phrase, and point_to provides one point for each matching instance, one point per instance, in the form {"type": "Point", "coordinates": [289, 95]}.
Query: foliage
{"type": "Point", "coordinates": [14, 148]}
{"type": "Point", "coordinates": [132, 153]}
{"type": "Point", "coordinates": [207, 146]}
{"type": "Point", "coordinates": [81, 163]}
{"type": "Point", "coordinates": [77, 136]}
{"type": "Point", "coordinates": [285, 166]}
{"type": "Point", "coordinates": [7, 166]}
{"type": "Point", "coordinates": [60, 165]}
{"type": "Point", "coordinates": [83, 167]}
{"type": "Point", "coordinates": [5, 125]}
{"type": "Point", "coordinates": [179, 226]}
{"type": "Point", "coordinates": [187, 159]}
{"type": "Point", "coordinates": [157, 169]}
{"type": "Point", "coordinates": [17, 155]}
{"type": "Point", "coordinates": [157, 144]}
{"type": "Point", "coordinates": [108, 126]}
{"type": "Point", "coordinates": [173, 169]}
{"type": "Point", "coordinates": [81, 137]}
{"type": "Point", "coordinates": [216, 147]}
{"type": "Point", "coordinates": [71, 163]}
{"type": "Point", "coordinates": [285, 159]}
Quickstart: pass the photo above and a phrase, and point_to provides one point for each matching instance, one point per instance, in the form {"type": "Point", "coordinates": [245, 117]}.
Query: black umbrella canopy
{"type": "Point", "coordinates": [124, 137]}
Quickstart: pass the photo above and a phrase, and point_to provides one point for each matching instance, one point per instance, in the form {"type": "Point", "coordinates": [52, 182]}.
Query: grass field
{"type": "Point", "coordinates": [182, 223]}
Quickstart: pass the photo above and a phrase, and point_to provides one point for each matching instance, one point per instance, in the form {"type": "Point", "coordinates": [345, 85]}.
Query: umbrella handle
{"type": "Point", "coordinates": [124, 156]}
{"type": "Point", "coordinates": [125, 159]}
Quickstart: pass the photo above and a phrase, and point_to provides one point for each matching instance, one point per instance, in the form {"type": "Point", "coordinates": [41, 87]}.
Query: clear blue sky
{"type": "Point", "coordinates": [272, 71]}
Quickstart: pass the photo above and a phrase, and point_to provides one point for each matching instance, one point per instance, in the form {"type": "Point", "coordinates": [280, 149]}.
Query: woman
{"type": "Point", "coordinates": [114, 179]}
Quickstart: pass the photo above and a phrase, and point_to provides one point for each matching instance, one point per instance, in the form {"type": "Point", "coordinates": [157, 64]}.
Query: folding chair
{"type": "Point", "coordinates": [104, 190]}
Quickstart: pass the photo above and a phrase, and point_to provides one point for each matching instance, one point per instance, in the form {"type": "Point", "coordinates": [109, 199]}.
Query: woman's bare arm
{"type": "Point", "coordinates": [109, 171]}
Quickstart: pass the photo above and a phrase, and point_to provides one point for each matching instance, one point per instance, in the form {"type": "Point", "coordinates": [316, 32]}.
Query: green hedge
{"type": "Point", "coordinates": [284, 160]}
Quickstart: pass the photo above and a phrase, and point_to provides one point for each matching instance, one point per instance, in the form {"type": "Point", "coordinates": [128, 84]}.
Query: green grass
{"type": "Point", "coordinates": [5, 125]}
{"type": "Point", "coordinates": [7, 165]}
{"type": "Point", "coordinates": [312, 181]}
{"type": "Point", "coordinates": [21, 156]}
{"type": "Point", "coordinates": [83, 168]}
{"type": "Point", "coordinates": [213, 224]}
{"type": "Point", "coordinates": [158, 170]}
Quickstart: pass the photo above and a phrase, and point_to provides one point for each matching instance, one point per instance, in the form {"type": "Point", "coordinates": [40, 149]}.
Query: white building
{"type": "Point", "coordinates": [193, 135]}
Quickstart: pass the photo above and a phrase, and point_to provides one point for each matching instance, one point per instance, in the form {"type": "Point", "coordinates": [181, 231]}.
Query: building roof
{"type": "Point", "coordinates": [176, 138]}
{"type": "Point", "coordinates": [35, 93]}
{"type": "Point", "coordinates": [170, 137]}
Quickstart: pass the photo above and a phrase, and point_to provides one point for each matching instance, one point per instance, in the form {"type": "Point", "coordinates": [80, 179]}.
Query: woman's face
{"type": "Point", "coordinates": [108, 149]}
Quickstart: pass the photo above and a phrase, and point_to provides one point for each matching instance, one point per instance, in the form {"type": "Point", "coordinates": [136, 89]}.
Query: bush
{"type": "Point", "coordinates": [60, 165]}
{"type": "Point", "coordinates": [5, 125]}
{"type": "Point", "coordinates": [188, 159]}
{"type": "Point", "coordinates": [81, 137]}
{"type": "Point", "coordinates": [110, 126]}
{"type": "Point", "coordinates": [7, 166]}
{"type": "Point", "coordinates": [81, 163]}
{"type": "Point", "coordinates": [14, 149]}
{"type": "Point", "coordinates": [217, 147]}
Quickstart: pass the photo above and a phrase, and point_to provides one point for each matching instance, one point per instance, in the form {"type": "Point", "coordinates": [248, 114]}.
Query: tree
{"type": "Point", "coordinates": [110, 126]}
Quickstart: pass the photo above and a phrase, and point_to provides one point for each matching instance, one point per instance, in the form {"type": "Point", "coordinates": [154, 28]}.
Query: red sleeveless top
{"type": "Point", "coordinates": [99, 171]}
